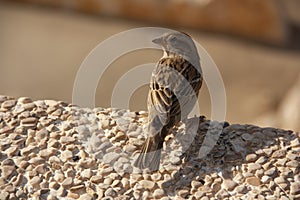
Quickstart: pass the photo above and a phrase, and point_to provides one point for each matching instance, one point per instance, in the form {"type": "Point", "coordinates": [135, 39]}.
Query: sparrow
{"type": "Point", "coordinates": [174, 88]}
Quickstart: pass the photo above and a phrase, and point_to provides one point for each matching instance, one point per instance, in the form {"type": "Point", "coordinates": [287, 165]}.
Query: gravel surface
{"type": "Point", "coordinates": [54, 150]}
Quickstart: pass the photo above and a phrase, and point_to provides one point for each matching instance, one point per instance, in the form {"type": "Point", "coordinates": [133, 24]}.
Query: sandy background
{"type": "Point", "coordinates": [41, 50]}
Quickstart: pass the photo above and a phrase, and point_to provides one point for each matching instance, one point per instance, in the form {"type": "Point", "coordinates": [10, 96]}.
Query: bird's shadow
{"type": "Point", "coordinates": [226, 153]}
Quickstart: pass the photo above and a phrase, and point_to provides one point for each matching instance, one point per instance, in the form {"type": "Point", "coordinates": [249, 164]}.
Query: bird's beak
{"type": "Point", "coordinates": [158, 41]}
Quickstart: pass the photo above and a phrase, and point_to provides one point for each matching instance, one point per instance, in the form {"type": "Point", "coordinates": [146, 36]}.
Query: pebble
{"type": "Point", "coordinates": [196, 184]}
{"type": "Point", "coordinates": [18, 180]}
{"type": "Point", "coordinates": [8, 104]}
{"type": "Point", "coordinates": [222, 194]}
{"type": "Point", "coordinates": [67, 139]}
{"type": "Point", "coordinates": [115, 183]}
{"type": "Point", "coordinates": [29, 120]}
{"type": "Point", "coordinates": [78, 188]}
{"type": "Point", "coordinates": [40, 169]}
{"type": "Point", "coordinates": [265, 179]}
{"type": "Point", "coordinates": [156, 176]}
{"type": "Point", "coordinates": [216, 187]}
{"type": "Point", "coordinates": [30, 140]}
{"type": "Point", "coordinates": [253, 167]}
{"type": "Point", "coordinates": [12, 151]}
{"type": "Point", "coordinates": [198, 194]}
{"type": "Point", "coordinates": [292, 156]}
{"type": "Point", "coordinates": [259, 173]}
{"type": "Point", "coordinates": [41, 134]}
{"type": "Point", "coordinates": [77, 182]}
{"type": "Point", "coordinates": [8, 161]}
{"type": "Point", "coordinates": [147, 184]}
{"type": "Point", "coordinates": [279, 153]}
{"type": "Point", "coordinates": [293, 164]}
{"type": "Point", "coordinates": [66, 155]}
{"type": "Point", "coordinates": [120, 136]}
{"type": "Point", "coordinates": [110, 192]}
{"type": "Point", "coordinates": [54, 159]}
{"type": "Point", "coordinates": [57, 112]}
{"type": "Point", "coordinates": [268, 151]}
{"type": "Point", "coordinates": [229, 185]}
{"type": "Point", "coordinates": [54, 185]}
{"type": "Point", "coordinates": [35, 181]}
{"type": "Point", "coordinates": [254, 181]}
{"type": "Point", "coordinates": [279, 180]}
{"type": "Point", "coordinates": [281, 162]}
{"type": "Point", "coordinates": [106, 171]}
{"type": "Point", "coordinates": [158, 193]}
{"type": "Point", "coordinates": [261, 160]}
{"type": "Point", "coordinates": [285, 198]}
{"type": "Point", "coordinates": [3, 98]}
{"type": "Point", "coordinates": [8, 171]}
{"type": "Point", "coordinates": [73, 195]}
{"type": "Point", "coordinates": [96, 179]}
{"type": "Point", "coordinates": [104, 124]}
{"type": "Point", "coordinates": [183, 193]}
{"type": "Point", "coordinates": [29, 106]}
{"type": "Point", "coordinates": [130, 148]}
{"type": "Point", "coordinates": [240, 189]}
{"type": "Point", "coordinates": [295, 142]}
{"type": "Point", "coordinates": [247, 174]}
{"type": "Point", "coordinates": [4, 195]}
{"type": "Point", "coordinates": [111, 157]}
{"type": "Point", "coordinates": [295, 188]}
{"type": "Point", "coordinates": [175, 160]}
{"type": "Point", "coordinates": [25, 100]}
{"type": "Point", "coordinates": [46, 153]}
{"type": "Point", "coordinates": [108, 181]}
{"type": "Point", "coordinates": [67, 182]}
{"type": "Point", "coordinates": [86, 197]}
{"type": "Point", "coordinates": [251, 157]}
{"type": "Point", "coordinates": [271, 172]}
{"type": "Point", "coordinates": [36, 161]}
{"type": "Point", "coordinates": [59, 177]}
{"type": "Point", "coordinates": [297, 178]}
{"type": "Point", "coordinates": [6, 129]}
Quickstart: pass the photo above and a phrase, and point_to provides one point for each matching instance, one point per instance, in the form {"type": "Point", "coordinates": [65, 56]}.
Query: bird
{"type": "Point", "coordinates": [174, 87]}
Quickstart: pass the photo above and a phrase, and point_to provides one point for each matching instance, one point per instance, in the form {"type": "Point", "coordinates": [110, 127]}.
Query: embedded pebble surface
{"type": "Point", "coordinates": [54, 150]}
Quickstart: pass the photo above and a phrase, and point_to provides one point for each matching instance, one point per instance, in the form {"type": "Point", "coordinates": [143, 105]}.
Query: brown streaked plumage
{"type": "Point", "coordinates": [174, 87]}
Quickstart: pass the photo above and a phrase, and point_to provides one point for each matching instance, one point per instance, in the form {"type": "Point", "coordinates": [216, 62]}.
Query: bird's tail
{"type": "Point", "coordinates": [150, 154]}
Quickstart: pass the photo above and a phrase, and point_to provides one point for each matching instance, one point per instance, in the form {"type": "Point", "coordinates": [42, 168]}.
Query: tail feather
{"type": "Point", "coordinates": [150, 154]}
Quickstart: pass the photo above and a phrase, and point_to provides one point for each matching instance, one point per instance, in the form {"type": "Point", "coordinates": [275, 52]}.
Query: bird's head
{"type": "Point", "coordinates": [178, 44]}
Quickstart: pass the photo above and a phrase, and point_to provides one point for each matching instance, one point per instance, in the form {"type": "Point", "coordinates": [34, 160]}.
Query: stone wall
{"type": "Point", "coordinates": [51, 149]}
{"type": "Point", "coordinates": [259, 20]}
{"type": "Point", "coordinates": [292, 9]}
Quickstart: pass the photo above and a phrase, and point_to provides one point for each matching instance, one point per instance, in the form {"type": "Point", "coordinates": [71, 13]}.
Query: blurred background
{"type": "Point", "coordinates": [255, 44]}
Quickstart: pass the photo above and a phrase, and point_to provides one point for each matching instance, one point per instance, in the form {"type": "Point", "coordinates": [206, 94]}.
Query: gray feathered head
{"type": "Point", "coordinates": [179, 43]}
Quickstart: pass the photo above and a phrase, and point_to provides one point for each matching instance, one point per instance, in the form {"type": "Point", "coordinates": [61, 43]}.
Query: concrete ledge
{"type": "Point", "coordinates": [51, 149]}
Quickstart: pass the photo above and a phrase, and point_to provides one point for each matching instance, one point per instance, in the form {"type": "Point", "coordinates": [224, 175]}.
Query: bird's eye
{"type": "Point", "coordinates": [173, 38]}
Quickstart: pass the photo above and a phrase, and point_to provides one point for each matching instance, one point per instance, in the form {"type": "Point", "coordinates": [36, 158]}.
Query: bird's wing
{"type": "Point", "coordinates": [171, 92]}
